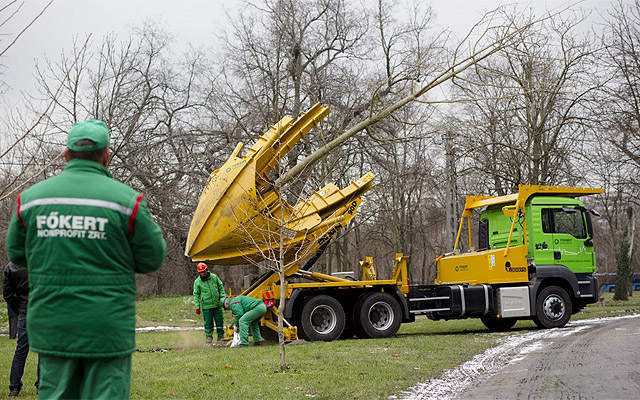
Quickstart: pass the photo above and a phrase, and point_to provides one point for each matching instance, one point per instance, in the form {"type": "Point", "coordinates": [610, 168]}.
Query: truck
{"type": "Point", "coordinates": [534, 258]}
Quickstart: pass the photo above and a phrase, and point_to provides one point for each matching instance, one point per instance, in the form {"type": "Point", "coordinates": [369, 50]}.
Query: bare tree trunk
{"type": "Point", "coordinates": [281, 307]}
{"type": "Point", "coordinates": [281, 273]}
{"type": "Point", "coordinates": [632, 229]}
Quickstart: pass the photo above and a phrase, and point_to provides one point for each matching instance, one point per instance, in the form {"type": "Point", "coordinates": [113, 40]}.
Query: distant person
{"type": "Point", "coordinates": [208, 294]}
{"type": "Point", "coordinates": [15, 290]}
{"type": "Point", "coordinates": [247, 312]}
{"type": "Point", "coordinates": [83, 236]}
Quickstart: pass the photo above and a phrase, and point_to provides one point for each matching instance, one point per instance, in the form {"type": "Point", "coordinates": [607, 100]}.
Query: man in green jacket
{"type": "Point", "coordinates": [247, 312]}
{"type": "Point", "coordinates": [83, 236]}
{"type": "Point", "coordinates": [208, 294]}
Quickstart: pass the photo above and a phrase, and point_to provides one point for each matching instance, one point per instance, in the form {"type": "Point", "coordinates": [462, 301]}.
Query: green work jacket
{"type": "Point", "coordinates": [208, 293]}
{"type": "Point", "coordinates": [241, 305]}
{"type": "Point", "coordinates": [83, 236]}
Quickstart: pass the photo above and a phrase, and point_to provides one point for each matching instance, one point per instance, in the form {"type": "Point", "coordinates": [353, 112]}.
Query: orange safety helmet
{"type": "Point", "coordinates": [201, 267]}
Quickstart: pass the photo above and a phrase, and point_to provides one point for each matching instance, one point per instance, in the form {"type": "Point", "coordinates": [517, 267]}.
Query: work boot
{"type": "Point", "coordinates": [14, 392]}
{"type": "Point", "coordinates": [209, 340]}
{"type": "Point", "coordinates": [257, 343]}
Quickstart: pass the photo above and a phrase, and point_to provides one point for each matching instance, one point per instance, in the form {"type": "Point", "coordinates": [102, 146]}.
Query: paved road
{"type": "Point", "coordinates": [588, 359]}
{"type": "Point", "coordinates": [600, 361]}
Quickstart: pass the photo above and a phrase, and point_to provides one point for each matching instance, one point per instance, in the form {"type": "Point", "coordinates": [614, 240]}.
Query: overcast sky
{"type": "Point", "coordinates": [191, 21]}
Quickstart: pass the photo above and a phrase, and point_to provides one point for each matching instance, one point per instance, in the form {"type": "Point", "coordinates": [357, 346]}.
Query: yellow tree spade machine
{"type": "Point", "coordinates": [534, 258]}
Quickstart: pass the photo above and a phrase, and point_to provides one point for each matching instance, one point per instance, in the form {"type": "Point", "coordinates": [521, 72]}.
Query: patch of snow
{"type": "Point", "coordinates": [169, 328]}
{"type": "Point", "coordinates": [526, 350]}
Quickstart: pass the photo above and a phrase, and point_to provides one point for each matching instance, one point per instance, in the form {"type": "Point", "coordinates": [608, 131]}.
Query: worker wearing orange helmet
{"type": "Point", "coordinates": [208, 295]}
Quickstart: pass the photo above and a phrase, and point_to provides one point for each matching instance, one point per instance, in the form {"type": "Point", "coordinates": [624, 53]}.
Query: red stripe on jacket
{"type": "Point", "coordinates": [18, 213]}
{"type": "Point", "coordinates": [133, 213]}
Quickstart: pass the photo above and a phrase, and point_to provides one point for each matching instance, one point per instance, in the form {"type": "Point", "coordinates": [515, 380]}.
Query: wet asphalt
{"type": "Point", "coordinates": [597, 360]}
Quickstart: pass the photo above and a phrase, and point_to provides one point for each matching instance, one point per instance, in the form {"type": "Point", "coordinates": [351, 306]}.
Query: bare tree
{"type": "Point", "coordinates": [152, 103]}
{"type": "Point", "coordinates": [9, 13]}
{"type": "Point", "coordinates": [282, 56]}
{"type": "Point", "coordinates": [528, 117]}
{"type": "Point", "coordinates": [622, 103]}
{"type": "Point", "coordinates": [617, 154]}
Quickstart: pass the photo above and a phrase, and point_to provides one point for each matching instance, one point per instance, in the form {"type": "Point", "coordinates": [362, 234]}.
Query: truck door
{"type": "Point", "coordinates": [570, 243]}
{"type": "Point", "coordinates": [542, 236]}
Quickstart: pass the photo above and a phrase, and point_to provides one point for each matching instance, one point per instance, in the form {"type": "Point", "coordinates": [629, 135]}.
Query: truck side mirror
{"type": "Point", "coordinates": [589, 229]}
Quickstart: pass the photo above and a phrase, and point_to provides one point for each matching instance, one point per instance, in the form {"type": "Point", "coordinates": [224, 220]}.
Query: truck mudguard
{"type": "Point", "coordinates": [543, 272]}
{"type": "Point", "coordinates": [406, 315]}
{"type": "Point", "coordinates": [288, 307]}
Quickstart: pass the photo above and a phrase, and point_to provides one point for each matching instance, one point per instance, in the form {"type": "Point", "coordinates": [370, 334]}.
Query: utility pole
{"type": "Point", "coordinates": [452, 205]}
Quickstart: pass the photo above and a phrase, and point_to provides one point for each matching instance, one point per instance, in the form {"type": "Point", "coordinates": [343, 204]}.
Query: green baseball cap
{"type": "Point", "coordinates": [92, 129]}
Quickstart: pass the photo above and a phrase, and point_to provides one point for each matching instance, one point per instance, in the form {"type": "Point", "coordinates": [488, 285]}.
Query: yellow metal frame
{"type": "Point", "coordinates": [508, 265]}
{"type": "Point", "coordinates": [520, 199]}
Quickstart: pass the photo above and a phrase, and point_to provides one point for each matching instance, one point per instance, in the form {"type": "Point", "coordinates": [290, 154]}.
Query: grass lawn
{"type": "Point", "coordinates": [177, 365]}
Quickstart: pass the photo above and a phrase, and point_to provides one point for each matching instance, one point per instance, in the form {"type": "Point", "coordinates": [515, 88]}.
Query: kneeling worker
{"type": "Point", "coordinates": [247, 312]}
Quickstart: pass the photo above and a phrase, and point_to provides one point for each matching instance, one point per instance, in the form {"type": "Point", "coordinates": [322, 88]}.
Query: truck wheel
{"type": "Point", "coordinates": [322, 318]}
{"type": "Point", "coordinates": [268, 334]}
{"type": "Point", "coordinates": [377, 315]}
{"type": "Point", "coordinates": [498, 324]}
{"type": "Point", "coordinates": [553, 308]}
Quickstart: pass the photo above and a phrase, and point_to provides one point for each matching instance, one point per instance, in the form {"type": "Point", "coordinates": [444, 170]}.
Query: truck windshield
{"type": "Point", "coordinates": [557, 220]}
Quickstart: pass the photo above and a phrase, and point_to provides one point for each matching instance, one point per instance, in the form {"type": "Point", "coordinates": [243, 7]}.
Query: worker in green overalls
{"type": "Point", "coordinates": [247, 312]}
{"type": "Point", "coordinates": [208, 294]}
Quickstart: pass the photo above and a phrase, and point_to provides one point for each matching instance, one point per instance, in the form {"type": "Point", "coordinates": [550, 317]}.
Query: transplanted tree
{"type": "Point", "coordinates": [272, 243]}
{"type": "Point", "coordinates": [255, 223]}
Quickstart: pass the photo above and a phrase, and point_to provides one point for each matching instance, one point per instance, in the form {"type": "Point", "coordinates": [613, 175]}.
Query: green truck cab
{"type": "Point", "coordinates": [534, 260]}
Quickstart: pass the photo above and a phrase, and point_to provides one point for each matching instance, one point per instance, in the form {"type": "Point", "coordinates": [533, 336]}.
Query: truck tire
{"type": "Point", "coordinates": [268, 334]}
{"type": "Point", "coordinates": [498, 324]}
{"type": "Point", "coordinates": [553, 308]}
{"type": "Point", "coordinates": [322, 318]}
{"type": "Point", "coordinates": [377, 315]}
